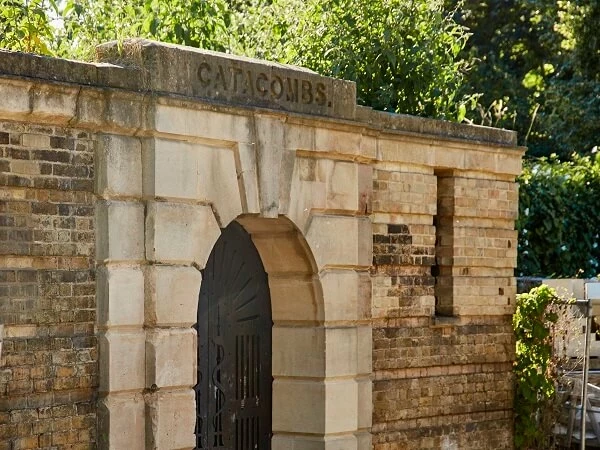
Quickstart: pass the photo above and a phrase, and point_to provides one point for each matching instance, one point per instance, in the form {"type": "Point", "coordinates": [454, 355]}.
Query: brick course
{"type": "Point", "coordinates": [48, 371]}
{"type": "Point", "coordinates": [443, 291]}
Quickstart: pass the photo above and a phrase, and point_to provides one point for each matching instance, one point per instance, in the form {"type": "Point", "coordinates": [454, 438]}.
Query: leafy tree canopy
{"type": "Point", "coordinates": [558, 217]}
{"type": "Point", "coordinates": [537, 65]}
{"type": "Point", "coordinates": [403, 54]}
{"type": "Point", "coordinates": [26, 25]}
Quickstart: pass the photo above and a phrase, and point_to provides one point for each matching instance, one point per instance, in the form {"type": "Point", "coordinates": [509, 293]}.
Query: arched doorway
{"type": "Point", "coordinates": [233, 394]}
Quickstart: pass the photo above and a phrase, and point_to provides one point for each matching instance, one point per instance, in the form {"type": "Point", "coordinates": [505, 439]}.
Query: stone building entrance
{"type": "Point", "coordinates": [122, 185]}
{"type": "Point", "coordinates": [233, 394]}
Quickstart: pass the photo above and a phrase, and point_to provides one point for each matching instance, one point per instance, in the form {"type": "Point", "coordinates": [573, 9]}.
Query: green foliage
{"type": "Point", "coordinates": [570, 119]}
{"type": "Point", "coordinates": [196, 23]}
{"type": "Point", "coordinates": [25, 25]}
{"type": "Point", "coordinates": [541, 60]}
{"type": "Point", "coordinates": [403, 54]}
{"type": "Point", "coordinates": [558, 217]}
{"type": "Point", "coordinates": [534, 324]}
{"type": "Point", "coordinates": [587, 45]}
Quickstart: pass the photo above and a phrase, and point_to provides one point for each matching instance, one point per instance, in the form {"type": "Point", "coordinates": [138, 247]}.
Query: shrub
{"type": "Point", "coordinates": [539, 322]}
{"type": "Point", "coordinates": [559, 217]}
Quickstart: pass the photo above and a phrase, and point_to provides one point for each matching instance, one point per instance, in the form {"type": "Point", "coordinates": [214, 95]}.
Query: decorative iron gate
{"type": "Point", "coordinates": [233, 395]}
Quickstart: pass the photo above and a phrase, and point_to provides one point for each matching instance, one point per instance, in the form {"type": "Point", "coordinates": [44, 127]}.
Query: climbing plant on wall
{"type": "Point", "coordinates": [539, 318]}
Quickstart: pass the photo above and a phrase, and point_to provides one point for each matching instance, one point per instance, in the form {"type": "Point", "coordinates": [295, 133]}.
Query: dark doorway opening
{"type": "Point", "coordinates": [234, 390]}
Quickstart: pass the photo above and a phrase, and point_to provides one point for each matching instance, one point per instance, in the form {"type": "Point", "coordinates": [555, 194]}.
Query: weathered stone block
{"type": "Point", "coordinates": [91, 106]}
{"type": "Point", "coordinates": [121, 357]}
{"type": "Point", "coordinates": [183, 170]}
{"type": "Point", "coordinates": [170, 357]}
{"type": "Point", "coordinates": [341, 353]}
{"type": "Point", "coordinates": [328, 250]}
{"type": "Point", "coordinates": [340, 442]}
{"type": "Point", "coordinates": [365, 402]}
{"type": "Point", "coordinates": [342, 184]}
{"type": "Point", "coordinates": [248, 177]}
{"type": "Point", "coordinates": [171, 417]}
{"type": "Point", "coordinates": [364, 441]}
{"type": "Point", "coordinates": [282, 253]}
{"type": "Point", "coordinates": [54, 102]}
{"type": "Point", "coordinates": [206, 124]}
{"type": "Point", "coordinates": [269, 140]}
{"type": "Point", "coordinates": [405, 151]}
{"type": "Point", "coordinates": [307, 415]}
{"type": "Point", "coordinates": [120, 296]}
{"type": "Point", "coordinates": [344, 142]}
{"type": "Point", "coordinates": [172, 295]}
{"type": "Point", "coordinates": [306, 193]}
{"type": "Point", "coordinates": [180, 233]}
{"type": "Point", "coordinates": [346, 295]}
{"type": "Point", "coordinates": [124, 111]}
{"type": "Point", "coordinates": [119, 166]}
{"type": "Point", "coordinates": [15, 97]}
{"type": "Point", "coordinates": [120, 231]}
{"type": "Point", "coordinates": [121, 422]}
{"type": "Point", "coordinates": [299, 136]}
{"type": "Point", "coordinates": [299, 351]}
{"type": "Point", "coordinates": [341, 406]}
{"type": "Point", "coordinates": [295, 297]}
{"type": "Point", "coordinates": [320, 407]}
{"type": "Point", "coordinates": [364, 342]}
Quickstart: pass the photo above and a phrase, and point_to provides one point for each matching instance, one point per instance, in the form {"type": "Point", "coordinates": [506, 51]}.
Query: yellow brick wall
{"type": "Point", "coordinates": [444, 248]}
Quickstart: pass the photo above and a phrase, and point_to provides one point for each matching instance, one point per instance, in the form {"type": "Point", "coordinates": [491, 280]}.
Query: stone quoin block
{"type": "Point", "coordinates": [170, 420]}
{"type": "Point", "coordinates": [299, 351]}
{"type": "Point", "coordinates": [180, 233]}
{"type": "Point", "coordinates": [182, 170]}
{"type": "Point", "coordinates": [321, 407]}
{"type": "Point", "coordinates": [120, 296]}
{"type": "Point", "coordinates": [295, 297]}
{"type": "Point", "coordinates": [364, 441]}
{"type": "Point", "coordinates": [308, 413]}
{"type": "Point", "coordinates": [172, 295]}
{"type": "Point", "coordinates": [342, 351]}
{"type": "Point", "coordinates": [346, 295]}
{"type": "Point", "coordinates": [119, 166]}
{"type": "Point", "coordinates": [121, 421]}
{"type": "Point", "coordinates": [340, 442]}
{"type": "Point", "coordinates": [121, 360]}
{"type": "Point", "coordinates": [170, 357]}
{"type": "Point", "coordinates": [365, 403]}
{"type": "Point", "coordinates": [120, 231]}
{"type": "Point", "coordinates": [341, 405]}
{"type": "Point", "coordinates": [329, 250]}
